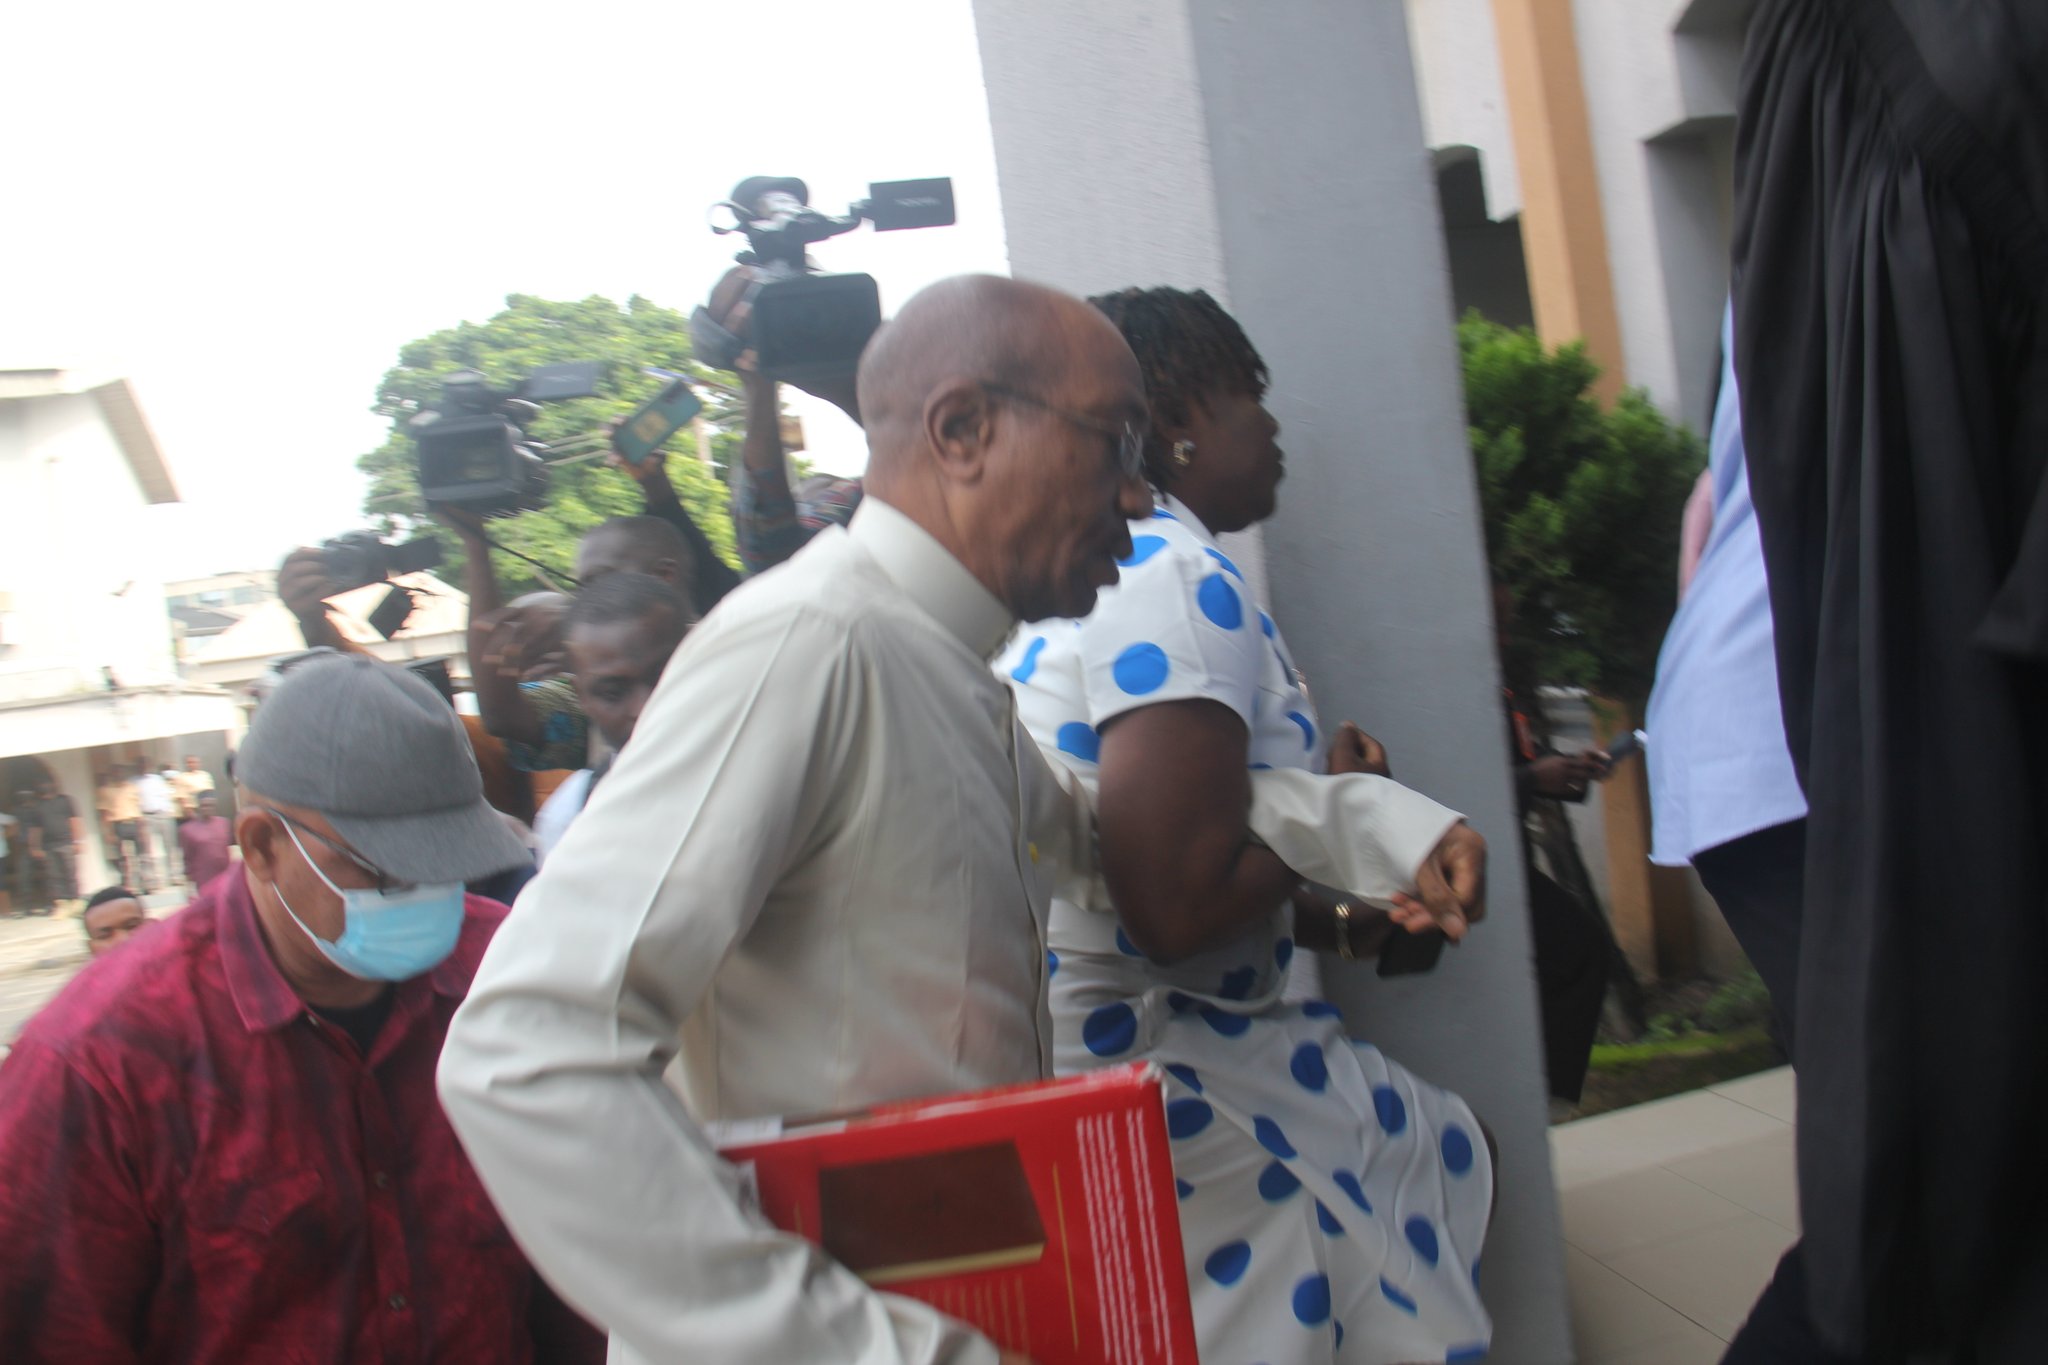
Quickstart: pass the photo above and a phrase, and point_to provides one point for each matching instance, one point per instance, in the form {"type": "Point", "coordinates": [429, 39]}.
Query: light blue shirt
{"type": "Point", "coordinates": [1719, 768]}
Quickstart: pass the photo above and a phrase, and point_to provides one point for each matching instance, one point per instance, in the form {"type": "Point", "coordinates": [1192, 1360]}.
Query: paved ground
{"type": "Point", "coordinates": [1675, 1214]}
{"type": "Point", "coordinates": [38, 955]}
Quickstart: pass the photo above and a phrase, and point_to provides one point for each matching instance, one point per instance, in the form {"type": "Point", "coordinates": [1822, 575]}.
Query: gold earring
{"type": "Point", "coordinates": [1183, 454]}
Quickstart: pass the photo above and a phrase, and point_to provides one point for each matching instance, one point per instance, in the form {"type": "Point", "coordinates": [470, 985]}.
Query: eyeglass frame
{"type": "Point", "coordinates": [386, 884]}
{"type": "Point", "coordinates": [1130, 440]}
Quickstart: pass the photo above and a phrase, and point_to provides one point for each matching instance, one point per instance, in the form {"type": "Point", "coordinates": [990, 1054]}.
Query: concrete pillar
{"type": "Point", "coordinates": [1272, 153]}
{"type": "Point", "coordinates": [1564, 232]}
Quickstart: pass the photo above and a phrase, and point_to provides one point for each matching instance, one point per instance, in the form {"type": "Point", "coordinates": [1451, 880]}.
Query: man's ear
{"type": "Point", "coordinates": [256, 834]}
{"type": "Point", "coordinates": [960, 428]}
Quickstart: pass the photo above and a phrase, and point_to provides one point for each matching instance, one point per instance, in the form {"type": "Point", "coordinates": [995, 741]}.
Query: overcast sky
{"type": "Point", "coordinates": [247, 208]}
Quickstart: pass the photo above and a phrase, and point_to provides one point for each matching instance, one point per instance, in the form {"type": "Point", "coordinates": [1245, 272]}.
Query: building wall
{"type": "Point", "coordinates": [1659, 79]}
{"type": "Point", "coordinates": [1272, 153]}
{"type": "Point", "coordinates": [75, 564]}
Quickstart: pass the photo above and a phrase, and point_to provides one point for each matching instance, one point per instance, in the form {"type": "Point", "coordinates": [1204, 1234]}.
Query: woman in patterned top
{"type": "Point", "coordinates": [1332, 1204]}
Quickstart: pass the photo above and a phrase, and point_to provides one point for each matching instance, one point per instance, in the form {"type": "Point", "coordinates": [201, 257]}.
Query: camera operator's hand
{"type": "Point", "coordinates": [466, 524]}
{"type": "Point", "coordinates": [651, 473]}
{"type": "Point", "coordinates": [303, 585]}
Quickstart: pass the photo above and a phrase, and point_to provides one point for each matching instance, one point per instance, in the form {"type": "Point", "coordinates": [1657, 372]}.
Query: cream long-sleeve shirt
{"type": "Point", "coordinates": [820, 874]}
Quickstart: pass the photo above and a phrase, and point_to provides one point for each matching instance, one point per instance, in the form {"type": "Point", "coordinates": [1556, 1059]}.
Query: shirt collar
{"type": "Point", "coordinates": [929, 575]}
{"type": "Point", "coordinates": [265, 1000]}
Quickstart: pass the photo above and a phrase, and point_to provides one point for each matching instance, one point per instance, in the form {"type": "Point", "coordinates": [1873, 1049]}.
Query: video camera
{"type": "Point", "coordinates": [473, 449]}
{"type": "Point", "coordinates": [359, 559]}
{"type": "Point", "coordinates": [805, 325]}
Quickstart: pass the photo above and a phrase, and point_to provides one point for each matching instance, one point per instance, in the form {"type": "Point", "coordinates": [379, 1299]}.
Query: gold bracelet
{"type": "Point", "coordinates": [1343, 912]}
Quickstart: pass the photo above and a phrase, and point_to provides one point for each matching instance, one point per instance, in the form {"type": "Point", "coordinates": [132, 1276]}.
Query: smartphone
{"type": "Point", "coordinates": [1628, 746]}
{"type": "Point", "coordinates": [642, 434]}
{"type": "Point", "coordinates": [1405, 954]}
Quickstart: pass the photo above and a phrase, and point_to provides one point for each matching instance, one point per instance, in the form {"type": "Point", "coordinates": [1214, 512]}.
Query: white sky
{"type": "Point", "coordinates": [247, 208]}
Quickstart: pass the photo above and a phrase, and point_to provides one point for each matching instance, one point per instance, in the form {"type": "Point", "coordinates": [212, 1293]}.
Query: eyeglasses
{"type": "Point", "coordinates": [1129, 437]}
{"type": "Point", "coordinates": [385, 883]}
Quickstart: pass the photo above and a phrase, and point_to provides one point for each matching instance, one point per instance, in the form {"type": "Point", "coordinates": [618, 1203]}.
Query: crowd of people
{"type": "Point", "coordinates": [993, 766]}
{"type": "Point", "coordinates": [159, 826]}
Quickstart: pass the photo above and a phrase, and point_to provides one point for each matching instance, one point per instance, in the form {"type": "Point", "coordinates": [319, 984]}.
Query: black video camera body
{"type": "Point", "coordinates": [473, 449]}
{"type": "Point", "coordinates": [359, 559]}
{"type": "Point", "coordinates": [805, 325]}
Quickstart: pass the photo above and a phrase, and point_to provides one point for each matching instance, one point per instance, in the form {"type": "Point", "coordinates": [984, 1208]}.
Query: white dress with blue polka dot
{"type": "Point", "coordinates": [1332, 1205]}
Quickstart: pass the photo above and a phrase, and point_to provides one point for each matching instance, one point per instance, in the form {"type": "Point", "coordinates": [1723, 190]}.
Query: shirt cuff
{"type": "Point", "coordinates": [1359, 833]}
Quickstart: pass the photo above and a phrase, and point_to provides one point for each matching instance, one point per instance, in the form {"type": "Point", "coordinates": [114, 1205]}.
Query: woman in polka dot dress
{"type": "Point", "coordinates": [1332, 1204]}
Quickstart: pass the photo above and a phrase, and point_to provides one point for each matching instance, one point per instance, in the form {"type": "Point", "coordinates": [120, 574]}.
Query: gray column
{"type": "Point", "coordinates": [1271, 152]}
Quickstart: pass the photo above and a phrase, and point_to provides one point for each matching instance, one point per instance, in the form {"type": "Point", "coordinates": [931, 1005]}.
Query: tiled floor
{"type": "Point", "coordinates": [1675, 1214]}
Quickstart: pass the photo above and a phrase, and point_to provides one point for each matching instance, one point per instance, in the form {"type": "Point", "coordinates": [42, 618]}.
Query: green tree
{"type": "Point", "coordinates": [529, 332]}
{"type": "Point", "coordinates": [1582, 508]}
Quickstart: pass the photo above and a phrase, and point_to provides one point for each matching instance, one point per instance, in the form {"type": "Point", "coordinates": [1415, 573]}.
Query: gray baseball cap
{"type": "Point", "coordinates": [386, 760]}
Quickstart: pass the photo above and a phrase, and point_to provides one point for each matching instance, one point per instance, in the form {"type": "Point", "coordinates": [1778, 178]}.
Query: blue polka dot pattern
{"type": "Point", "coordinates": [1161, 514]}
{"type": "Point", "coordinates": [1283, 953]}
{"type": "Point", "coordinates": [1321, 1009]}
{"type": "Point", "coordinates": [1186, 1075]}
{"type": "Point", "coordinates": [1310, 1069]}
{"type": "Point", "coordinates": [1312, 1301]}
{"type": "Point", "coordinates": [1238, 982]}
{"type": "Point", "coordinates": [1182, 1188]}
{"type": "Point", "coordinates": [1266, 624]}
{"type": "Point", "coordinates": [1140, 669]}
{"type": "Point", "coordinates": [1185, 1118]}
{"type": "Point", "coordinates": [1276, 1183]}
{"type": "Point", "coordinates": [1395, 1296]}
{"type": "Point", "coordinates": [1226, 1264]}
{"type": "Point", "coordinates": [1224, 560]}
{"type": "Point", "coordinates": [1029, 663]}
{"type": "Point", "coordinates": [1179, 1001]}
{"type": "Point", "coordinates": [1080, 740]}
{"type": "Point", "coordinates": [1224, 1022]}
{"type": "Point", "coordinates": [1422, 1237]}
{"type": "Point", "coordinates": [1124, 944]}
{"type": "Point", "coordinates": [1219, 602]}
{"type": "Point", "coordinates": [1353, 1191]}
{"type": "Point", "coordinates": [1052, 962]}
{"type": "Point", "coordinates": [1110, 1029]}
{"type": "Point", "coordinates": [1262, 767]}
{"type": "Point", "coordinates": [1475, 1274]}
{"type": "Point", "coordinates": [1457, 1150]}
{"type": "Point", "coordinates": [1392, 1110]}
{"type": "Point", "coordinates": [1308, 729]}
{"type": "Point", "coordinates": [1465, 1355]}
{"type": "Point", "coordinates": [1142, 549]}
{"type": "Point", "coordinates": [1340, 1334]}
{"type": "Point", "coordinates": [1328, 1221]}
{"type": "Point", "coordinates": [1271, 1137]}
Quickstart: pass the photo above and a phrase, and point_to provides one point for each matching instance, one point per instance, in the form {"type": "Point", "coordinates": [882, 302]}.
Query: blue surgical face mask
{"type": "Point", "coordinates": [386, 936]}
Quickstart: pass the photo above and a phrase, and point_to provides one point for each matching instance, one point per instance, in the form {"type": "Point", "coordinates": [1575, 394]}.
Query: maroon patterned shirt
{"type": "Point", "coordinates": [193, 1167]}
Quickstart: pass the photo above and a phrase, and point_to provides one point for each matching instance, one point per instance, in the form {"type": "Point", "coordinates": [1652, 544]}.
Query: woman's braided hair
{"type": "Point", "coordinates": [1188, 348]}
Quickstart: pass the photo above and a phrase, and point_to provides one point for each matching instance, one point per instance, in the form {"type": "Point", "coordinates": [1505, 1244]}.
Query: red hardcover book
{"type": "Point", "coordinates": [1044, 1215]}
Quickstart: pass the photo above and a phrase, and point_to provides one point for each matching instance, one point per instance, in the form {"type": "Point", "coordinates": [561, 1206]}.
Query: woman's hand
{"type": "Point", "coordinates": [1450, 887]}
{"type": "Point", "coordinates": [1355, 751]}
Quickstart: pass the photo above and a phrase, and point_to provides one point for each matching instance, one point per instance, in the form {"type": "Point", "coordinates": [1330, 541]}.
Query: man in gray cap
{"type": "Point", "coordinates": [224, 1143]}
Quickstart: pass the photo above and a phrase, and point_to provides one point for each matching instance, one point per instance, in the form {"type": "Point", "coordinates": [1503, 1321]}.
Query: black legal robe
{"type": "Point", "coordinates": [1890, 295]}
